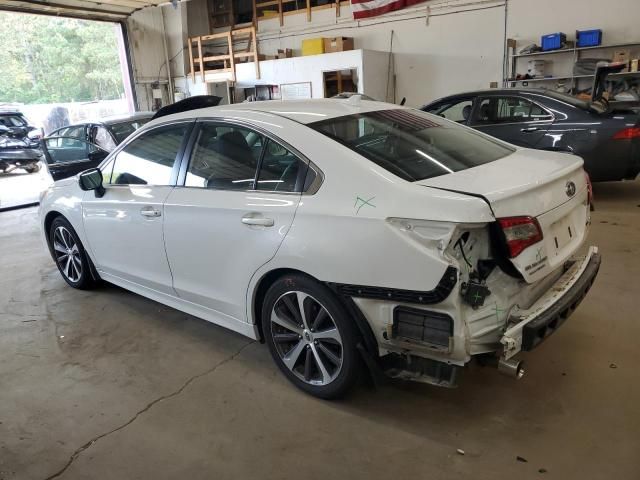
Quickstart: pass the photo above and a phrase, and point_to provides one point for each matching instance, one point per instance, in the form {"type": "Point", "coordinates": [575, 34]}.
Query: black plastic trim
{"type": "Point", "coordinates": [541, 327]}
{"type": "Point", "coordinates": [438, 294]}
{"type": "Point", "coordinates": [399, 332]}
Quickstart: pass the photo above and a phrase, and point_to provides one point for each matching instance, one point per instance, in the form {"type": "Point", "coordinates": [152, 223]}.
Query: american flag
{"type": "Point", "coordinates": [373, 8]}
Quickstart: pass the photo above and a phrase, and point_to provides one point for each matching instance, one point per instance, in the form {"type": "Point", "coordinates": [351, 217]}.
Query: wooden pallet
{"type": "Point", "coordinates": [208, 64]}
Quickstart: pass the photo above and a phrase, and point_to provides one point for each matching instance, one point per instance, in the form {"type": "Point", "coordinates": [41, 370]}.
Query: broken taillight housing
{"type": "Point", "coordinates": [520, 233]}
{"type": "Point", "coordinates": [627, 133]}
{"type": "Point", "coordinates": [589, 188]}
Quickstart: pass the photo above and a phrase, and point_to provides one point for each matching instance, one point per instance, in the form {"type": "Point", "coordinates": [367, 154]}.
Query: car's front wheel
{"type": "Point", "coordinates": [70, 256]}
{"type": "Point", "coordinates": [310, 336]}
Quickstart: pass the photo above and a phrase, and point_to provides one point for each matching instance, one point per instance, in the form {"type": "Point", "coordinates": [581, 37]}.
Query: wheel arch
{"type": "Point", "coordinates": [48, 221]}
{"type": "Point", "coordinates": [369, 341]}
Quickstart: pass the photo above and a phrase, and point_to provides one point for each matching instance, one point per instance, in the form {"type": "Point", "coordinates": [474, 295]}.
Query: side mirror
{"type": "Point", "coordinates": [92, 180]}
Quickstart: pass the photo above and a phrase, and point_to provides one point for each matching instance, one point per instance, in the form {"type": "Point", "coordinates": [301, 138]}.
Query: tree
{"type": "Point", "coordinates": [49, 59]}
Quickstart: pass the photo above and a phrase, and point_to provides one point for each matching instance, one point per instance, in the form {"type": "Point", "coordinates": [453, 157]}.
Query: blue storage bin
{"type": "Point", "coordinates": [553, 41]}
{"type": "Point", "coordinates": [589, 38]}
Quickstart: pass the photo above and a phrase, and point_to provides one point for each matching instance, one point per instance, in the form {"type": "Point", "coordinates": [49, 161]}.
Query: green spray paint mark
{"type": "Point", "coordinates": [362, 203]}
{"type": "Point", "coordinates": [498, 311]}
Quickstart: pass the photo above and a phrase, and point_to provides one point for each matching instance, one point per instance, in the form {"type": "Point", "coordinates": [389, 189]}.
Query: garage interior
{"type": "Point", "coordinates": [107, 384]}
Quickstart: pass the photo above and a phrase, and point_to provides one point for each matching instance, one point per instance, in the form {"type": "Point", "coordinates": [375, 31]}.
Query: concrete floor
{"type": "Point", "coordinates": [109, 385]}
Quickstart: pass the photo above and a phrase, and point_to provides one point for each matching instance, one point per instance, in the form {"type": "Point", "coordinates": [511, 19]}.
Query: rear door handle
{"type": "Point", "coordinates": [529, 130]}
{"type": "Point", "coordinates": [249, 219]}
{"type": "Point", "coordinates": [150, 212]}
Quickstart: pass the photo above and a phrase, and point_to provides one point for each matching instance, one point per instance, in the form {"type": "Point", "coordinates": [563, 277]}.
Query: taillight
{"type": "Point", "coordinates": [520, 233]}
{"type": "Point", "coordinates": [589, 189]}
{"type": "Point", "coordinates": [627, 133]}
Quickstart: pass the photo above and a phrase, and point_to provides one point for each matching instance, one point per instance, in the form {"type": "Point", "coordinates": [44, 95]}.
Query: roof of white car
{"type": "Point", "coordinates": [301, 111]}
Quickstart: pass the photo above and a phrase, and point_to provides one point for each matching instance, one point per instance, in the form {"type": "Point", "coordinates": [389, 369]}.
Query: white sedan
{"type": "Point", "coordinates": [343, 233]}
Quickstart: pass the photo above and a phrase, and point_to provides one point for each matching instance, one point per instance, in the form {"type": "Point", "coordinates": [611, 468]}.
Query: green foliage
{"type": "Point", "coordinates": [48, 60]}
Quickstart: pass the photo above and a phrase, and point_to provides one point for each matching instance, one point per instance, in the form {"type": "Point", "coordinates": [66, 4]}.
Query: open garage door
{"type": "Point", "coordinates": [62, 88]}
{"type": "Point", "coordinates": [106, 10]}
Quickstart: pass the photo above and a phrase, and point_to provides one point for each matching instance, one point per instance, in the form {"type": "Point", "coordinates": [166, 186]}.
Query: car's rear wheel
{"type": "Point", "coordinates": [33, 168]}
{"type": "Point", "coordinates": [70, 256]}
{"type": "Point", "coordinates": [310, 336]}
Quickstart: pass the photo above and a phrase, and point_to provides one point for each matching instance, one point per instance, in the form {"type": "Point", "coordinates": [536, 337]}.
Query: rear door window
{"type": "Point", "coordinates": [225, 157]}
{"type": "Point", "coordinates": [498, 110]}
{"type": "Point", "coordinates": [411, 144]}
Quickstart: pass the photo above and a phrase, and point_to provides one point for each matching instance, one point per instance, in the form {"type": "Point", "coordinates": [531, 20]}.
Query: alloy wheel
{"type": "Point", "coordinates": [306, 338]}
{"type": "Point", "coordinates": [67, 254]}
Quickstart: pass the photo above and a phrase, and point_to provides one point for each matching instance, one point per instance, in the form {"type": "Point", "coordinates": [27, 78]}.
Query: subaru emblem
{"type": "Point", "coordinates": [571, 189]}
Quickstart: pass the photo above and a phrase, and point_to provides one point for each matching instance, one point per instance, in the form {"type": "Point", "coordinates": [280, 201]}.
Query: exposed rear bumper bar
{"type": "Point", "coordinates": [530, 327]}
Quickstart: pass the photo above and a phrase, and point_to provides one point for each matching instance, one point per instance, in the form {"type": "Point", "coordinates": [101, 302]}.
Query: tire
{"type": "Point", "coordinates": [70, 256]}
{"type": "Point", "coordinates": [320, 357]}
{"type": "Point", "coordinates": [33, 168]}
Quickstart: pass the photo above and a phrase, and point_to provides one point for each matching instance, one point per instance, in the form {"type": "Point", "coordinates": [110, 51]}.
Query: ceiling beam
{"type": "Point", "coordinates": [30, 6]}
{"type": "Point", "coordinates": [131, 4]}
{"type": "Point", "coordinates": [106, 10]}
{"type": "Point", "coordinates": [78, 8]}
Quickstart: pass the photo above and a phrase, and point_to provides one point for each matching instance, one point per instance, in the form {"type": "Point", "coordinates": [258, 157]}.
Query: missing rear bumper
{"type": "Point", "coordinates": [419, 369]}
{"type": "Point", "coordinates": [530, 327]}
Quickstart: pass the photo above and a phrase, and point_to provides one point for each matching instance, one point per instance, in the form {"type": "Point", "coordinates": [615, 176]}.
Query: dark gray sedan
{"type": "Point", "coordinates": [606, 135]}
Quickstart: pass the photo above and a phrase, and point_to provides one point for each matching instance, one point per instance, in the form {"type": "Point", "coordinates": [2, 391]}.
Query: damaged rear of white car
{"type": "Point", "coordinates": [494, 236]}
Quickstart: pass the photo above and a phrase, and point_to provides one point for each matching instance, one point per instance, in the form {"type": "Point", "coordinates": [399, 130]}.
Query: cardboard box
{"type": "Point", "coordinates": [312, 46]}
{"type": "Point", "coordinates": [635, 64]}
{"type": "Point", "coordinates": [537, 68]}
{"type": "Point", "coordinates": [338, 44]}
{"type": "Point", "coordinates": [286, 53]}
{"type": "Point", "coordinates": [622, 56]}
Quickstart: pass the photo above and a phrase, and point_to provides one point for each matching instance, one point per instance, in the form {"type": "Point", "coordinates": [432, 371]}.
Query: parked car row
{"type": "Point", "coordinates": [606, 135]}
{"type": "Point", "coordinates": [74, 148]}
{"type": "Point", "coordinates": [68, 150]}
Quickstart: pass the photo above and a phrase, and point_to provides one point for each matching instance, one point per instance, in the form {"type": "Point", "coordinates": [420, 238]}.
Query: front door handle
{"type": "Point", "coordinates": [260, 221]}
{"type": "Point", "coordinates": [150, 212]}
{"type": "Point", "coordinates": [529, 130]}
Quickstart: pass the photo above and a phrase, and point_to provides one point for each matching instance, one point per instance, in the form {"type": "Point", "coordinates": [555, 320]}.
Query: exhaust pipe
{"type": "Point", "coordinates": [511, 368]}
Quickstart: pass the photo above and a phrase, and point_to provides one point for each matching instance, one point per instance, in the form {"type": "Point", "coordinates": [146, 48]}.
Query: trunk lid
{"type": "Point", "coordinates": [549, 186]}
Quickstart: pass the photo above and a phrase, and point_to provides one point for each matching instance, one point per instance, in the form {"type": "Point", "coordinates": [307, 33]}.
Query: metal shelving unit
{"type": "Point", "coordinates": [574, 51]}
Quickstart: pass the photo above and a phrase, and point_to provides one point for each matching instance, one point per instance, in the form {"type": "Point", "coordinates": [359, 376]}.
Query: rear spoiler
{"type": "Point", "coordinates": [191, 103]}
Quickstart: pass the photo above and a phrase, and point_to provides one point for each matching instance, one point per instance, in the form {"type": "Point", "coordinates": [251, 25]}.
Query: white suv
{"type": "Point", "coordinates": [342, 233]}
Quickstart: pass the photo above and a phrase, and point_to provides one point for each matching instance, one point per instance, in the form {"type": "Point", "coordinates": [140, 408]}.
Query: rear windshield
{"type": "Point", "coordinates": [12, 120]}
{"type": "Point", "coordinates": [411, 144]}
{"type": "Point", "coordinates": [573, 101]}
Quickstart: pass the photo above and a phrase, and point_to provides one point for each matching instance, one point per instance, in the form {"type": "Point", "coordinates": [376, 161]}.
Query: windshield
{"type": "Point", "coordinates": [122, 130]}
{"type": "Point", "coordinates": [411, 144]}
{"type": "Point", "coordinates": [12, 120]}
